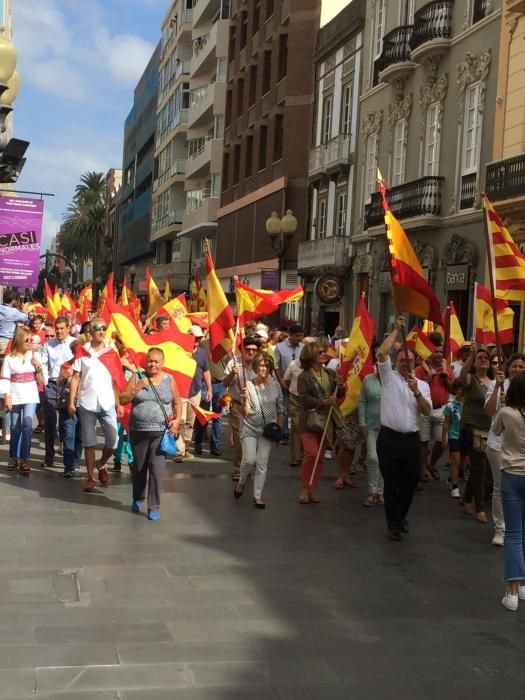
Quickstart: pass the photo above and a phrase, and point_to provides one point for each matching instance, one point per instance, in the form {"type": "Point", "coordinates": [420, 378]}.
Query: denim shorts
{"type": "Point", "coordinates": [88, 427]}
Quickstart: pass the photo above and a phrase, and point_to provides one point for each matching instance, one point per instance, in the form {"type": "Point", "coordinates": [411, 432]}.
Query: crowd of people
{"type": "Point", "coordinates": [278, 388]}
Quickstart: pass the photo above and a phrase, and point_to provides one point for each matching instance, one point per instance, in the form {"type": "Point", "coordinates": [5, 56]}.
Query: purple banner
{"type": "Point", "coordinates": [20, 234]}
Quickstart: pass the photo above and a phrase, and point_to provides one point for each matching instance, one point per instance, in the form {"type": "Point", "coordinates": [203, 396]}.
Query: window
{"type": "Point", "coordinates": [233, 41]}
{"type": "Point", "coordinates": [240, 97]}
{"type": "Point", "coordinates": [341, 214]}
{"type": "Point", "coordinates": [400, 152]}
{"type": "Point", "coordinates": [278, 137]}
{"type": "Point", "coordinates": [248, 163]}
{"type": "Point", "coordinates": [283, 56]}
{"type": "Point", "coordinates": [256, 17]}
{"type": "Point", "coordinates": [379, 27]}
{"type": "Point", "coordinates": [225, 170]}
{"type": "Point", "coordinates": [244, 29]}
{"type": "Point", "coordinates": [480, 9]}
{"type": "Point", "coordinates": [370, 185]}
{"type": "Point", "coordinates": [327, 119]}
{"type": "Point", "coordinates": [407, 16]}
{"type": "Point", "coordinates": [252, 96]}
{"type": "Point", "coordinates": [228, 108]}
{"type": "Point", "coordinates": [269, 8]}
{"type": "Point", "coordinates": [321, 219]}
{"type": "Point", "coordinates": [237, 164]}
{"type": "Point", "coordinates": [222, 70]}
{"type": "Point", "coordinates": [267, 72]}
{"type": "Point", "coordinates": [432, 142]}
{"type": "Point", "coordinates": [346, 117]}
{"type": "Point", "coordinates": [263, 146]}
{"type": "Point", "coordinates": [472, 129]}
{"type": "Point", "coordinates": [215, 186]}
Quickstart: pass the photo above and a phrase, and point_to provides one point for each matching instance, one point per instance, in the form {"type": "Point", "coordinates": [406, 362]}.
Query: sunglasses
{"type": "Point", "coordinates": [251, 349]}
{"type": "Point", "coordinates": [494, 362]}
{"type": "Point", "coordinates": [100, 328]}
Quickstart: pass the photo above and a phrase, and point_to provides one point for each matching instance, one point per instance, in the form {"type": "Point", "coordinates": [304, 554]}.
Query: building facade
{"type": "Point", "coordinates": [112, 223]}
{"type": "Point", "coordinates": [268, 115]}
{"type": "Point", "coordinates": [427, 108]}
{"type": "Point", "coordinates": [322, 259]}
{"type": "Point", "coordinates": [171, 253]}
{"type": "Point", "coordinates": [506, 172]}
{"type": "Point", "coordinates": [134, 248]}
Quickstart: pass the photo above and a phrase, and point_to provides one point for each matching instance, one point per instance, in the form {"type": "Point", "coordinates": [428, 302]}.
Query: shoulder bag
{"type": "Point", "coordinates": [271, 431]}
{"type": "Point", "coordinates": [315, 421]}
{"type": "Point", "coordinates": [168, 444]}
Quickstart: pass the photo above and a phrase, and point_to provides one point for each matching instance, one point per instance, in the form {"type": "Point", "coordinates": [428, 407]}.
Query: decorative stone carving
{"type": "Point", "coordinates": [512, 24]}
{"type": "Point", "coordinates": [372, 124]}
{"type": "Point", "coordinates": [400, 109]}
{"type": "Point", "coordinates": [458, 251]}
{"type": "Point", "coordinates": [435, 91]}
{"type": "Point", "coordinates": [472, 70]}
{"type": "Point", "coordinates": [424, 253]}
{"type": "Point", "coordinates": [384, 260]}
{"type": "Point", "coordinates": [363, 264]}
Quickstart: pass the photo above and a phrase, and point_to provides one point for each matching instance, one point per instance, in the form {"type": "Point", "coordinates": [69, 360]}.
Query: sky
{"type": "Point", "coordinates": [79, 61]}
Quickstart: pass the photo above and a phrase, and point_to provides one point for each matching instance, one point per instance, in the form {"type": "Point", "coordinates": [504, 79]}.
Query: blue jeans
{"type": "Point", "coordinates": [513, 501]}
{"type": "Point", "coordinates": [216, 425]}
{"type": "Point", "coordinates": [68, 430]}
{"type": "Point", "coordinates": [286, 431]}
{"type": "Point", "coordinates": [21, 430]}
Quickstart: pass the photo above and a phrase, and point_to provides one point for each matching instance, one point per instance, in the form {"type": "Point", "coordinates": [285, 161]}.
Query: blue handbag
{"type": "Point", "coordinates": [168, 444]}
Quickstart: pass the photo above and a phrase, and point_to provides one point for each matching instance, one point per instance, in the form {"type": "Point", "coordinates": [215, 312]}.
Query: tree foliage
{"type": "Point", "coordinates": [84, 220]}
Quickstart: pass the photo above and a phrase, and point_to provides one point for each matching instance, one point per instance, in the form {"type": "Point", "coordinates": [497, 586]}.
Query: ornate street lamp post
{"type": "Point", "coordinates": [281, 232]}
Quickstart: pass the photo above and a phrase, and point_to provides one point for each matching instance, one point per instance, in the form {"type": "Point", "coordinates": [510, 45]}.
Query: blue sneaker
{"type": "Point", "coordinates": [136, 506]}
{"type": "Point", "coordinates": [153, 515]}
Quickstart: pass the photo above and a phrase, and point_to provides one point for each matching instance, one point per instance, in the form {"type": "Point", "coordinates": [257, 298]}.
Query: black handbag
{"type": "Point", "coordinates": [272, 431]}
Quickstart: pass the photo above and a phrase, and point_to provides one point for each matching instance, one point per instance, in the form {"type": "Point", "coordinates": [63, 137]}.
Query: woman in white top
{"type": "Point", "coordinates": [262, 405]}
{"type": "Point", "coordinates": [21, 372]}
{"type": "Point", "coordinates": [510, 421]}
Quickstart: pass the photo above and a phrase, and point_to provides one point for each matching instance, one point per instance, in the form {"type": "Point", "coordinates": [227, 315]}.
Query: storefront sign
{"type": "Point", "coordinates": [330, 289]}
{"type": "Point", "coordinates": [270, 280]}
{"type": "Point", "coordinates": [20, 233]}
{"type": "Point", "coordinates": [457, 277]}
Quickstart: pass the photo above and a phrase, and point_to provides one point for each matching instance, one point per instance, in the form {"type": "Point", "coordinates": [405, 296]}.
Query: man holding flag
{"type": "Point", "coordinates": [404, 399]}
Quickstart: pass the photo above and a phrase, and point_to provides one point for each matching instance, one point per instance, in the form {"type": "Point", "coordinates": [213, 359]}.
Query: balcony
{"type": "Point", "coordinates": [506, 178]}
{"type": "Point", "coordinates": [394, 61]}
{"type": "Point", "coordinates": [205, 101]}
{"type": "Point", "coordinates": [468, 192]}
{"type": "Point", "coordinates": [330, 156]}
{"type": "Point", "coordinates": [207, 47]}
{"type": "Point", "coordinates": [480, 10]}
{"type": "Point", "coordinates": [432, 30]}
{"type": "Point", "coordinates": [322, 253]}
{"type": "Point", "coordinates": [412, 199]}
{"type": "Point", "coordinates": [175, 173]}
{"type": "Point", "coordinates": [172, 221]}
{"type": "Point", "coordinates": [208, 158]}
{"type": "Point", "coordinates": [206, 213]}
{"type": "Point", "coordinates": [205, 10]}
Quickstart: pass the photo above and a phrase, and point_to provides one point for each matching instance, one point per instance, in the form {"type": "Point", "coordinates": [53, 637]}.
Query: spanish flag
{"type": "Point", "coordinates": [57, 301]}
{"type": "Point", "coordinates": [68, 305]}
{"type": "Point", "coordinates": [198, 301]}
{"type": "Point", "coordinates": [52, 310]}
{"type": "Point", "coordinates": [84, 301]}
{"type": "Point", "coordinates": [177, 360]}
{"type": "Point", "coordinates": [177, 311]}
{"type": "Point", "coordinates": [107, 294]}
{"type": "Point", "coordinates": [155, 298]}
{"type": "Point", "coordinates": [507, 262]}
{"type": "Point", "coordinates": [203, 416]}
{"type": "Point", "coordinates": [485, 331]}
{"type": "Point", "coordinates": [124, 295]}
{"type": "Point", "coordinates": [220, 315]}
{"type": "Point", "coordinates": [254, 303]}
{"type": "Point", "coordinates": [412, 293]}
{"type": "Point", "coordinates": [455, 339]}
{"type": "Point", "coordinates": [167, 289]}
{"type": "Point", "coordinates": [357, 360]}
{"type": "Point", "coordinates": [418, 342]}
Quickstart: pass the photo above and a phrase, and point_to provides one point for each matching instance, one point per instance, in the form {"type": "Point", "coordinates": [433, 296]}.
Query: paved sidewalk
{"type": "Point", "coordinates": [220, 601]}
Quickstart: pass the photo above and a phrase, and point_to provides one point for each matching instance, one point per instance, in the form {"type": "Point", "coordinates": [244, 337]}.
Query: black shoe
{"type": "Point", "coordinates": [237, 494]}
{"type": "Point", "coordinates": [261, 506]}
{"type": "Point", "coordinates": [394, 535]}
{"type": "Point", "coordinates": [117, 467]}
{"type": "Point", "coordinates": [215, 452]}
{"type": "Point", "coordinates": [405, 527]}
{"type": "Point", "coordinates": [69, 473]}
{"type": "Point", "coordinates": [294, 464]}
{"type": "Point", "coordinates": [198, 449]}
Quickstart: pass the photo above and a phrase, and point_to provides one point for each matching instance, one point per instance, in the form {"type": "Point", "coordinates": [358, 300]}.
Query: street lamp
{"type": "Point", "coordinates": [132, 269]}
{"type": "Point", "coordinates": [281, 232]}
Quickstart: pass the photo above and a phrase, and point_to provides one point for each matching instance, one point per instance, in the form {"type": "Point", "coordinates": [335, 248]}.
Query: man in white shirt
{"type": "Point", "coordinates": [286, 352]}
{"type": "Point", "coordinates": [93, 385]}
{"type": "Point", "coordinates": [464, 354]}
{"type": "Point", "coordinates": [404, 398]}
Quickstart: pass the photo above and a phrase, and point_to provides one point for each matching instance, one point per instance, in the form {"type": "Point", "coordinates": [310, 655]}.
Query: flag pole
{"type": "Point", "coordinates": [446, 350]}
{"type": "Point", "coordinates": [321, 445]}
{"type": "Point", "coordinates": [237, 331]}
{"type": "Point", "coordinates": [490, 257]}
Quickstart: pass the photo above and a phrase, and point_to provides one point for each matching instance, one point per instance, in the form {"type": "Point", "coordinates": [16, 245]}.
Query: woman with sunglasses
{"type": "Point", "coordinates": [494, 400]}
{"type": "Point", "coordinates": [476, 376]}
{"type": "Point", "coordinates": [262, 405]}
{"type": "Point", "coordinates": [21, 372]}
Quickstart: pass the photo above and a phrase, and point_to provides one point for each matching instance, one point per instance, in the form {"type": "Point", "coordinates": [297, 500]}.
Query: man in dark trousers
{"type": "Point", "coordinates": [403, 399]}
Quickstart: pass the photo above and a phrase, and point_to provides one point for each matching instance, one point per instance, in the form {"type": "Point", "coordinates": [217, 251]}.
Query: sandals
{"type": "Point", "coordinates": [39, 429]}
{"type": "Point", "coordinates": [12, 465]}
{"type": "Point", "coordinates": [435, 474]}
{"type": "Point", "coordinates": [370, 501]}
{"type": "Point", "coordinates": [480, 517]}
{"type": "Point", "coordinates": [23, 467]}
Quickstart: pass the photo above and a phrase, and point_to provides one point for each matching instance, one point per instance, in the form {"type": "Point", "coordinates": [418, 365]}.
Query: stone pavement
{"type": "Point", "coordinates": [220, 601]}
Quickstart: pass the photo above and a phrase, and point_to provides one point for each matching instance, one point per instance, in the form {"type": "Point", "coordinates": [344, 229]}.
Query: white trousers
{"type": "Point", "coordinates": [494, 458]}
{"type": "Point", "coordinates": [255, 453]}
{"type": "Point", "coordinates": [375, 479]}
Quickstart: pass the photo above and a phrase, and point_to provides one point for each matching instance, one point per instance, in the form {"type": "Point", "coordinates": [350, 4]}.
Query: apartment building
{"type": "Point", "coordinates": [112, 220]}
{"type": "Point", "coordinates": [268, 114]}
{"type": "Point", "coordinates": [322, 257]}
{"type": "Point", "coordinates": [427, 108]}
{"type": "Point", "coordinates": [205, 130]}
{"type": "Point", "coordinates": [171, 253]}
{"type": "Point", "coordinates": [506, 173]}
{"type": "Point", "coordinates": [134, 248]}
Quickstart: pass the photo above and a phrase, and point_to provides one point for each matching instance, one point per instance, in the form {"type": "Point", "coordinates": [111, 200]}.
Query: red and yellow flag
{"type": "Point", "coordinates": [456, 339]}
{"type": "Point", "coordinates": [220, 315]}
{"type": "Point", "coordinates": [357, 361]}
{"type": "Point", "coordinates": [198, 300]}
{"type": "Point", "coordinates": [124, 295]}
{"type": "Point", "coordinates": [69, 307]}
{"type": "Point", "coordinates": [412, 293]}
{"type": "Point", "coordinates": [52, 310]}
{"type": "Point", "coordinates": [168, 294]}
{"type": "Point", "coordinates": [508, 264]}
{"type": "Point", "coordinates": [57, 301]}
{"type": "Point", "coordinates": [177, 310]}
{"type": "Point", "coordinates": [418, 342]}
{"type": "Point", "coordinates": [177, 360]}
{"type": "Point", "coordinates": [106, 295]}
{"type": "Point", "coordinates": [155, 298]}
{"type": "Point", "coordinates": [84, 301]}
{"type": "Point", "coordinates": [203, 416]}
{"type": "Point", "coordinates": [485, 330]}
{"type": "Point", "coordinates": [254, 303]}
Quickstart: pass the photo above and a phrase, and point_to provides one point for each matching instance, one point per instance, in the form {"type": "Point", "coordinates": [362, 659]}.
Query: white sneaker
{"type": "Point", "coordinates": [455, 493]}
{"type": "Point", "coordinates": [328, 454]}
{"type": "Point", "coordinates": [499, 540]}
{"type": "Point", "coordinates": [510, 602]}
{"type": "Point", "coordinates": [521, 592]}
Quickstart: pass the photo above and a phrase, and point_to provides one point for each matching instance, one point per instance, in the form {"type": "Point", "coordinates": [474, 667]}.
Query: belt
{"type": "Point", "coordinates": [216, 381]}
{"type": "Point", "coordinates": [52, 381]}
{"type": "Point", "coordinates": [396, 432]}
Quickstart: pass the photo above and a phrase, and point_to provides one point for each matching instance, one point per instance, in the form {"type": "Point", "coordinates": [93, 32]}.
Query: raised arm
{"type": "Point", "coordinates": [384, 349]}
{"type": "Point", "coordinates": [465, 375]}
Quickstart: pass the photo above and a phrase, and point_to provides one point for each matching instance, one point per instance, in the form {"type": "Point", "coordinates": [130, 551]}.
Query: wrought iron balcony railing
{"type": "Point", "coordinates": [433, 21]}
{"type": "Point", "coordinates": [480, 10]}
{"type": "Point", "coordinates": [396, 48]}
{"type": "Point", "coordinates": [467, 195]}
{"type": "Point", "coordinates": [418, 198]}
{"type": "Point", "coordinates": [506, 178]}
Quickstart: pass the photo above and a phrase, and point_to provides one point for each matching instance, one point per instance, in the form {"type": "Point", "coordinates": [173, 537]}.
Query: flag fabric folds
{"type": "Point", "coordinates": [357, 361]}
{"type": "Point", "coordinates": [84, 301]}
{"type": "Point", "coordinates": [484, 317]}
{"type": "Point", "coordinates": [177, 311]}
{"type": "Point", "coordinates": [508, 264]}
{"type": "Point", "coordinates": [106, 295]}
{"type": "Point", "coordinates": [220, 315]}
{"type": "Point", "coordinates": [254, 303]}
{"type": "Point", "coordinates": [167, 289]}
{"type": "Point", "coordinates": [455, 338]}
{"type": "Point", "coordinates": [50, 303]}
{"type": "Point", "coordinates": [68, 305]}
{"type": "Point", "coordinates": [155, 298]}
{"type": "Point", "coordinates": [418, 341]}
{"type": "Point", "coordinates": [203, 416]}
{"type": "Point", "coordinates": [198, 300]}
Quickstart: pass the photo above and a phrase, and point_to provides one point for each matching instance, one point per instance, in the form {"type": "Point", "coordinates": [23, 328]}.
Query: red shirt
{"type": "Point", "coordinates": [438, 385]}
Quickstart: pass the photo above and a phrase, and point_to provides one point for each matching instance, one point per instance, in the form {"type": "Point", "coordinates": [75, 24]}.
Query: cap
{"type": "Point", "coordinates": [261, 333]}
{"type": "Point", "coordinates": [196, 331]}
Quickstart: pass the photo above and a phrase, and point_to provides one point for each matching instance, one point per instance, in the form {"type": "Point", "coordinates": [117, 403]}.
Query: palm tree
{"type": "Point", "coordinates": [84, 220]}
